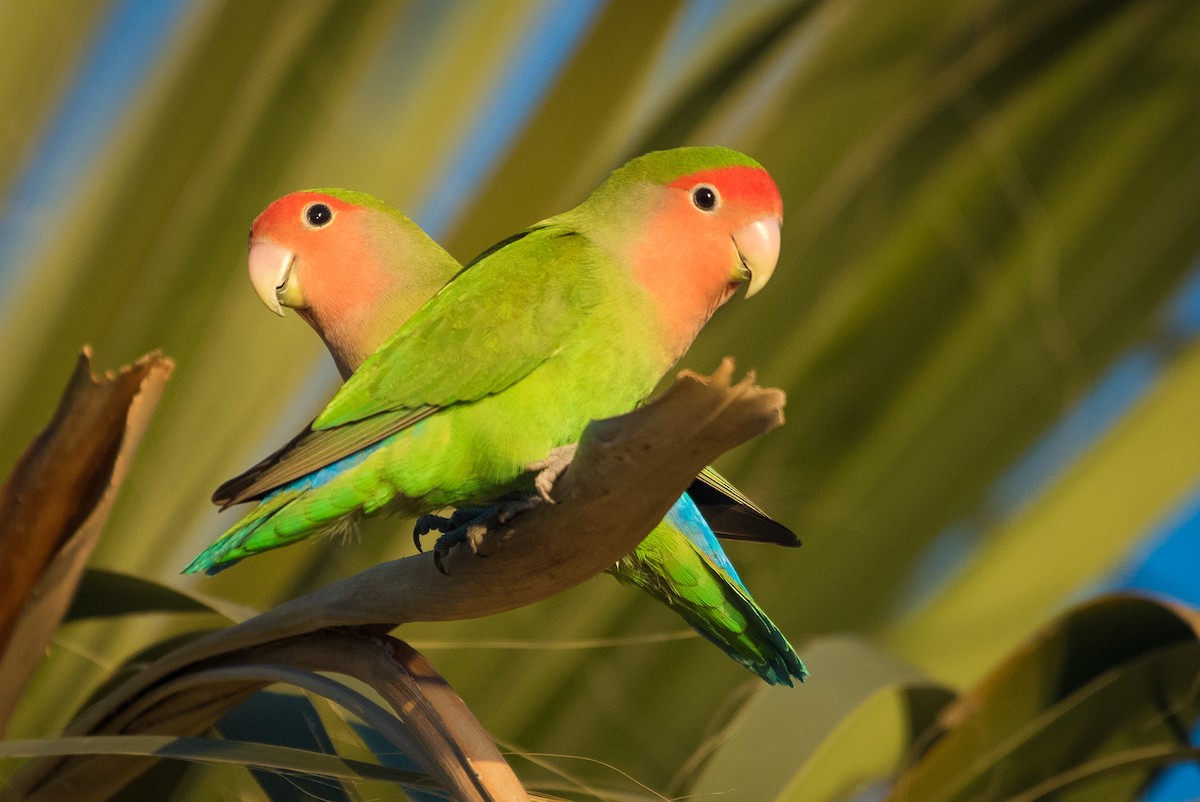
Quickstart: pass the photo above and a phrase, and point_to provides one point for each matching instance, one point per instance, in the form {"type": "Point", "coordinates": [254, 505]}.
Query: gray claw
{"type": "Point", "coordinates": [550, 468]}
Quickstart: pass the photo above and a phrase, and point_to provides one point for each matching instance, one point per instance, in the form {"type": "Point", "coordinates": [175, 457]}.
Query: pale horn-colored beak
{"type": "Point", "coordinates": [270, 268]}
{"type": "Point", "coordinates": [758, 246]}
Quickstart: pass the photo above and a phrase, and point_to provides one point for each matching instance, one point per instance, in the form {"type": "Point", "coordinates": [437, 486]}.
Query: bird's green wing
{"type": "Point", "coordinates": [310, 451]}
{"type": "Point", "coordinates": [493, 324]}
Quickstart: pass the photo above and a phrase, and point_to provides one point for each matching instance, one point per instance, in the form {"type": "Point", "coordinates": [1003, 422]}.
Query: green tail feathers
{"type": "Point", "coordinates": [236, 542]}
{"type": "Point", "coordinates": [672, 569]}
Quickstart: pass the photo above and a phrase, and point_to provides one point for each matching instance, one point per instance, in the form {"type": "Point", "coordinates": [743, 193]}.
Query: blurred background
{"type": "Point", "coordinates": [986, 315]}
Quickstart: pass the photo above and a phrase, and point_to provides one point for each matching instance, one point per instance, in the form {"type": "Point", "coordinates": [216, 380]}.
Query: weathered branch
{"type": "Point", "coordinates": [627, 473]}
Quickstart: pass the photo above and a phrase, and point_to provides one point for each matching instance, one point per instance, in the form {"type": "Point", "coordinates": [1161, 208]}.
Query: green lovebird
{"type": "Point", "coordinates": [518, 347]}
{"type": "Point", "coordinates": [359, 278]}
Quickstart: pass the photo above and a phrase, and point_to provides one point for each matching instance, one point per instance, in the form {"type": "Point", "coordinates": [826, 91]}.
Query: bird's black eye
{"type": "Point", "coordinates": [705, 198]}
{"type": "Point", "coordinates": [317, 215]}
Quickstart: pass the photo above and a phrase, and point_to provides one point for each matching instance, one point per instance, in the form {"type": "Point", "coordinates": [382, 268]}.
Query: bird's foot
{"type": "Point", "coordinates": [550, 468]}
{"type": "Point", "coordinates": [470, 533]}
{"type": "Point", "coordinates": [440, 523]}
{"type": "Point", "coordinates": [472, 525]}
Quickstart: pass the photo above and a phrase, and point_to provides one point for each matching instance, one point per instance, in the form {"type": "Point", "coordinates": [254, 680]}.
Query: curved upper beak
{"type": "Point", "coordinates": [758, 247]}
{"type": "Point", "coordinates": [271, 274]}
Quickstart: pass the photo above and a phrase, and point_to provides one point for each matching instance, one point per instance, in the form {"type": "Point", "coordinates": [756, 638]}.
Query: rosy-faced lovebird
{"type": "Point", "coordinates": [358, 278]}
{"type": "Point", "coordinates": [573, 319]}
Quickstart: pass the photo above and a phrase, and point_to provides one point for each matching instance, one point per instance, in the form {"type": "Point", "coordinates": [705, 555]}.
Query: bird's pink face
{"type": "Point", "coordinates": [711, 232]}
{"type": "Point", "coordinates": [736, 210]}
{"type": "Point", "coordinates": [300, 247]}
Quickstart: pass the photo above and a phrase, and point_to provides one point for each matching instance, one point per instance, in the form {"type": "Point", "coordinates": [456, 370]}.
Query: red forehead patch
{"type": "Point", "coordinates": [286, 211]}
{"type": "Point", "coordinates": [738, 184]}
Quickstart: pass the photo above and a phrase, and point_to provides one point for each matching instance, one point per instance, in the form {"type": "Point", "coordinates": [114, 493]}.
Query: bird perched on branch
{"type": "Point", "coordinates": [589, 307]}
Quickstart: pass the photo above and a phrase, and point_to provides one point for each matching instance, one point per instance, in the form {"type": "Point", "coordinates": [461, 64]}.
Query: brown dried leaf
{"type": "Point", "coordinates": [56, 500]}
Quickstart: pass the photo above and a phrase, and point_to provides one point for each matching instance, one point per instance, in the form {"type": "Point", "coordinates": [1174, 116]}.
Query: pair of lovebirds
{"type": "Point", "coordinates": [465, 385]}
